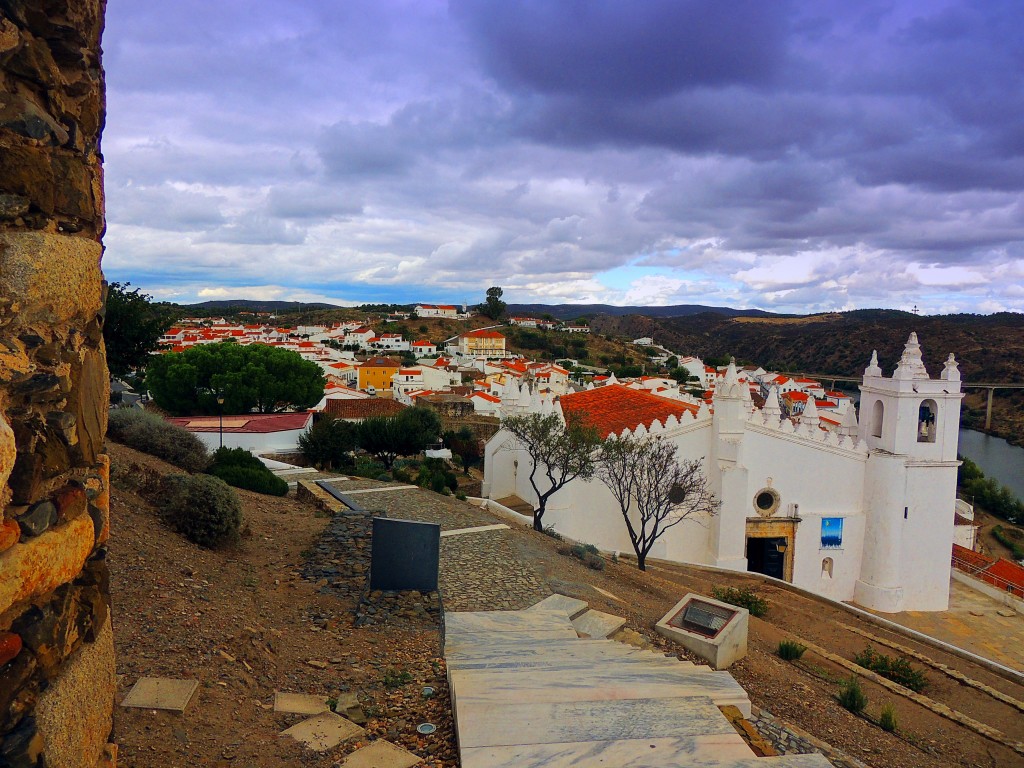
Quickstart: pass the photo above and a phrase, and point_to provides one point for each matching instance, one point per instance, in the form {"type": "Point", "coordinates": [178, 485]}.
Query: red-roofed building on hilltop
{"type": "Point", "coordinates": [481, 343]}
{"type": "Point", "coordinates": [437, 310]}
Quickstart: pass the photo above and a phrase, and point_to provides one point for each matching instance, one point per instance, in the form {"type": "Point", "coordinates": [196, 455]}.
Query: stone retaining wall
{"type": "Point", "coordinates": [56, 648]}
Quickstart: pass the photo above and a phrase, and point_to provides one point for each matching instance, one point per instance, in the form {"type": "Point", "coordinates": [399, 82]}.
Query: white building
{"type": "Point", "coordinates": [437, 310]}
{"type": "Point", "coordinates": [864, 512]}
{"type": "Point", "coordinates": [255, 432]}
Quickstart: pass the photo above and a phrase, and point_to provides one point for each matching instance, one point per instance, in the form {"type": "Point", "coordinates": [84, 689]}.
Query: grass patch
{"type": "Point", "coordinates": [743, 597]}
{"type": "Point", "coordinates": [790, 650]}
{"type": "Point", "coordinates": [395, 678]}
{"type": "Point", "coordinates": [894, 668]}
{"type": "Point", "coordinates": [887, 718]}
{"type": "Point", "coordinates": [851, 697]}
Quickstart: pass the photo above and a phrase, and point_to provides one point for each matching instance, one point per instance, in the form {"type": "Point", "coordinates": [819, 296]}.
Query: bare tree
{"type": "Point", "coordinates": [655, 490]}
{"type": "Point", "coordinates": [560, 452]}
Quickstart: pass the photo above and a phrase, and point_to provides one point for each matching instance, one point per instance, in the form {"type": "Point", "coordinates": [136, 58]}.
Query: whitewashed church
{"type": "Point", "coordinates": [864, 513]}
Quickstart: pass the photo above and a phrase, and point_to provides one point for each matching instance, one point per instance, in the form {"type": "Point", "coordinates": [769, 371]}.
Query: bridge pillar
{"type": "Point", "coordinates": [988, 409]}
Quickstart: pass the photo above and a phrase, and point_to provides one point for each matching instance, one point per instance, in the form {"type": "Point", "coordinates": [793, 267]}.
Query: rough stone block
{"type": "Point", "coordinates": [10, 532]}
{"type": "Point", "coordinates": [55, 277]}
{"type": "Point", "coordinates": [75, 713]}
{"type": "Point", "coordinates": [42, 564]}
{"type": "Point", "coordinates": [10, 646]}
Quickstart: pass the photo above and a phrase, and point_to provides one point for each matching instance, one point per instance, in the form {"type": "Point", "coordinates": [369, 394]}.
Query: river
{"type": "Point", "coordinates": [996, 457]}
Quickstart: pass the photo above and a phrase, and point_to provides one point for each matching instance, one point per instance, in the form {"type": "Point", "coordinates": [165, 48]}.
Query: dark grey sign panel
{"type": "Point", "coordinates": [405, 555]}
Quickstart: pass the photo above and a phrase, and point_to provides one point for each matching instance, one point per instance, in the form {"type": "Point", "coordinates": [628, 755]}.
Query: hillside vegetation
{"type": "Point", "coordinates": [989, 348]}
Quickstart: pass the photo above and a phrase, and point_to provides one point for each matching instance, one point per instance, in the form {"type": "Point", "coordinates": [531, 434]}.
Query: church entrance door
{"type": "Point", "coordinates": [763, 556]}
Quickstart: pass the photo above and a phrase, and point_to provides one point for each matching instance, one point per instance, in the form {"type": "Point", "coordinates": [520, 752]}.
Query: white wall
{"type": "Point", "coordinates": [262, 442]}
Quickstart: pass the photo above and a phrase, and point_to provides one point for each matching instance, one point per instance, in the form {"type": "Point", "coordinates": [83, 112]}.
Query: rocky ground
{"type": "Point", "coordinates": [246, 622]}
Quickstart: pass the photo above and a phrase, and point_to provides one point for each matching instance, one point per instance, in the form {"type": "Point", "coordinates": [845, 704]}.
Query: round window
{"type": "Point", "coordinates": [766, 501]}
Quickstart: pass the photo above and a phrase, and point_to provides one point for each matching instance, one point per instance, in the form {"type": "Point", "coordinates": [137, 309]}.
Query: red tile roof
{"type": "Point", "coordinates": [362, 409]}
{"type": "Point", "coordinates": [482, 334]}
{"type": "Point", "coordinates": [488, 397]}
{"type": "Point", "coordinates": [614, 407]}
{"type": "Point", "coordinates": [381, 362]}
{"type": "Point", "coordinates": [245, 423]}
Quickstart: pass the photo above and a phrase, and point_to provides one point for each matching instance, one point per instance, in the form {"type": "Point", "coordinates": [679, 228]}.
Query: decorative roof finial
{"type": "Point", "coordinates": [873, 369]}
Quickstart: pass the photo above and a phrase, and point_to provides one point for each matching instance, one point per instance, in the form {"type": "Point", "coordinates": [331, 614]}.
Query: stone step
{"type": "Point", "coordinates": [570, 663]}
{"type": "Point", "coordinates": [505, 621]}
{"type": "Point", "coordinates": [570, 605]}
{"type": "Point", "coordinates": [493, 686]}
{"type": "Point", "coordinates": [597, 624]}
{"type": "Point", "coordinates": [569, 653]}
{"type": "Point", "coordinates": [698, 752]}
{"type": "Point", "coordinates": [466, 639]}
{"type": "Point", "coordinates": [505, 724]}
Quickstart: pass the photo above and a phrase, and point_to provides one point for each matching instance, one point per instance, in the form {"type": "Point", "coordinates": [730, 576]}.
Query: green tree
{"type": "Point", "coordinates": [132, 327]}
{"type": "Point", "coordinates": [560, 451]}
{"type": "Point", "coordinates": [654, 490]}
{"type": "Point", "coordinates": [329, 442]}
{"type": "Point", "coordinates": [493, 307]}
{"type": "Point", "coordinates": [404, 434]}
{"type": "Point", "coordinates": [252, 377]}
{"type": "Point", "coordinates": [465, 445]}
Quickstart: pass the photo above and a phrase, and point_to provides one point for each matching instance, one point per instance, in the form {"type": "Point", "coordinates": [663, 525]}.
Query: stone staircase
{"type": "Point", "coordinates": [528, 689]}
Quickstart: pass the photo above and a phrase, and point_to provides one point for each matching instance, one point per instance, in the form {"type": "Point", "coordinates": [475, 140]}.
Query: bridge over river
{"type": "Point", "coordinates": [990, 386]}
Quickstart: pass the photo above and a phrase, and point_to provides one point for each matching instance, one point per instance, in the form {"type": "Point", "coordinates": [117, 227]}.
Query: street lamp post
{"type": "Point", "coordinates": [220, 411]}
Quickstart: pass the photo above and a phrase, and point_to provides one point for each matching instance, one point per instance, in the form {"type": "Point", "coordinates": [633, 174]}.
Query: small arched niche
{"type": "Point", "coordinates": [826, 568]}
{"type": "Point", "coordinates": [877, 415]}
{"type": "Point", "coordinates": [927, 421]}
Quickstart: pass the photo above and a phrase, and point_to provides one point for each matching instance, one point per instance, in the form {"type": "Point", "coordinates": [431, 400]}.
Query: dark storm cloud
{"type": "Point", "coordinates": [792, 155]}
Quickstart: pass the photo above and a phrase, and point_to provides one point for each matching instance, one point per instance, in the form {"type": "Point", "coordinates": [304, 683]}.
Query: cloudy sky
{"type": "Point", "coordinates": [792, 156]}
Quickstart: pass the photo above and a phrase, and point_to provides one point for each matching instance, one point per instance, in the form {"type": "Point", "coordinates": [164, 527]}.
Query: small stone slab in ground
{"type": "Point", "coordinates": [597, 624]}
{"type": "Point", "coordinates": [161, 693]}
{"type": "Point", "coordinates": [381, 754]}
{"type": "Point", "coordinates": [570, 605]}
{"type": "Point", "coordinates": [325, 731]}
{"type": "Point", "coordinates": [299, 703]}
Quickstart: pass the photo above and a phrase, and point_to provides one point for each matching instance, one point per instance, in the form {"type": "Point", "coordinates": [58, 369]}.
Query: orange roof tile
{"type": "Point", "coordinates": [482, 334]}
{"type": "Point", "coordinates": [613, 408]}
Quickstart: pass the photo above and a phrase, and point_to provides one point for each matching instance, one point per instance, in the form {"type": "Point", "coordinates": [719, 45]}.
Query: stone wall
{"type": "Point", "coordinates": [56, 649]}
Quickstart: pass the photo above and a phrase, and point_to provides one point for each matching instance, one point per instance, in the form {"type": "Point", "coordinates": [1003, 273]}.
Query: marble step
{"type": "Point", "coordinates": [569, 605]}
{"type": "Point", "coordinates": [516, 657]}
{"type": "Point", "coordinates": [506, 621]}
{"type": "Point", "coordinates": [476, 687]}
{"type": "Point", "coordinates": [465, 639]}
{"type": "Point", "coordinates": [698, 752]}
{"type": "Point", "coordinates": [597, 624]}
{"type": "Point", "coordinates": [505, 724]}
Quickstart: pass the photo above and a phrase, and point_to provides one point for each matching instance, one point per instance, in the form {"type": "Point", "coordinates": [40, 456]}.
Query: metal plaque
{"type": "Point", "coordinates": [703, 618]}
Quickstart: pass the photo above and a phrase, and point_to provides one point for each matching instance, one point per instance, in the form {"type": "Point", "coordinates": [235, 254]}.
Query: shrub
{"type": "Point", "coordinates": [550, 531]}
{"type": "Point", "coordinates": [594, 562]}
{"type": "Point", "coordinates": [851, 697]}
{"type": "Point", "coordinates": [585, 553]}
{"type": "Point", "coordinates": [435, 475]}
{"type": "Point", "coordinates": [151, 434]}
{"type": "Point", "coordinates": [897, 669]}
{"type": "Point", "coordinates": [367, 467]}
{"type": "Point", "coordinates": [887, 718]}
{"type": "Point", "coordinates": [743, 597]}
{"type": "Point", "coordinates": [1004, 538]}
{"type": "Point", "coordinates": [203, 508]}
{"type": "Point", "coordinates": [251, 479]}
{"type": "Point", "coordinates": [239, 468]}
{"type": "Point", "coordinates": [329, 442]}
{"type": "Point", "coordinates": [790, 650]}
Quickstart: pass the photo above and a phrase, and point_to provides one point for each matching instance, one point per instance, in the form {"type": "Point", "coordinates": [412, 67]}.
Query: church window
{"type": "Point", "coordinates": [826, 567]}
{"type": "Point", "coordinates": [766, 501]}
{"type": "Point", "coordinates": [831, 532]}
{"type": "Point", "coordinates": [926, 421]}
{"type": "Point", "coordinates": [877, 413]}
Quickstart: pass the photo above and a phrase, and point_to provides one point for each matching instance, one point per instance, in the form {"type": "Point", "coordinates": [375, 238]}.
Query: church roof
{"type": "Point", "coordinates": [613, 408]}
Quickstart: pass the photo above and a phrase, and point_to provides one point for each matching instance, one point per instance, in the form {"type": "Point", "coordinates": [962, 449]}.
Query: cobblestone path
{"type": "Point", "coordinates": [479, 571]}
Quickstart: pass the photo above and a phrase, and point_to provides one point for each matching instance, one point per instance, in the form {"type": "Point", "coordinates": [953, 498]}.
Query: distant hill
{"type": "Point", "coordinates": [572, 311]}
{"type": "Point", "coordinates": [990, 348]}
